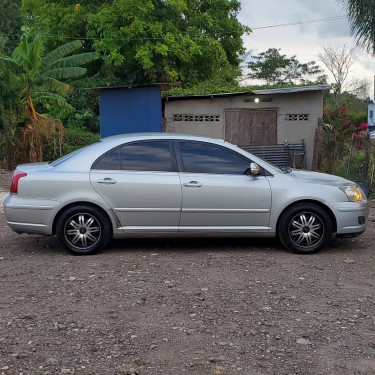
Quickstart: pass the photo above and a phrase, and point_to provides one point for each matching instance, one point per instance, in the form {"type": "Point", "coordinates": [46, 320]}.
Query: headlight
{"type": "Point", "coordinates": [353, 193]}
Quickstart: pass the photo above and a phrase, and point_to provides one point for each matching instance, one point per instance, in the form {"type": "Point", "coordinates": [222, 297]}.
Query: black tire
{"type": "Point", "coordinates": [305, 228]}
{"type": "Point", "coordinates": [83, 230]}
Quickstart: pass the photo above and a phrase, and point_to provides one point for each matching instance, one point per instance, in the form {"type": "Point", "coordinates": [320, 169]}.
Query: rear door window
{"type": "Point", "coordinates": [139, 156]}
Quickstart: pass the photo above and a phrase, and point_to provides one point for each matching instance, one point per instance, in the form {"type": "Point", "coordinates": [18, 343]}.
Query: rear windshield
{"type": "Point", "coordinates": [64, 158]}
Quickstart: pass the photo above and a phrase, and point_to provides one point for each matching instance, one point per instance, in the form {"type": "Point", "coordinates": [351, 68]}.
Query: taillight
{"type": "Point", "coordinates": [14, 184]}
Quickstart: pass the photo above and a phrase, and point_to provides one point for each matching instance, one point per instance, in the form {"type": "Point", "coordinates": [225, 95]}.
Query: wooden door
{"type": "Point", "coordinates": [254, 127]}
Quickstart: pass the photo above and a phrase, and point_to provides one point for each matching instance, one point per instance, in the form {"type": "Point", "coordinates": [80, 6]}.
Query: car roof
{"type": "Point", "coordinates": [155, 135]}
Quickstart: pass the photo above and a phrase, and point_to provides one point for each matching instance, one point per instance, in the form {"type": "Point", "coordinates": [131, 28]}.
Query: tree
{"type": "Point", "coordinates": [338, 59]}
{"type": "Point", "coordinates": [38, 79]}
{"type": "Point", "coordinates": [276, 69]}
{"type": "Point", "coordinates": [148, 41]}
{"type": "Point", "coordinates": [361, 14]}
{"type": "Point", "coordinates": [360, 88]}
{"type": "Point", "coordinates": [10, 25]}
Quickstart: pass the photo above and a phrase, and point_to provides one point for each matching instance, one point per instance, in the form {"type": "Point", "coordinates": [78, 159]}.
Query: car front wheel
{"type": "Point", "coordinates": [304, 228]}
{"type": "Point", "coordinates": [83, 230]}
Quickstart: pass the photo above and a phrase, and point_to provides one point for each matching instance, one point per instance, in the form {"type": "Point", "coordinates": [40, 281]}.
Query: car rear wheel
{"type": "Point", "coordinates": [83, 230]}
{"type": "Point", "coordinates": [305, 228]}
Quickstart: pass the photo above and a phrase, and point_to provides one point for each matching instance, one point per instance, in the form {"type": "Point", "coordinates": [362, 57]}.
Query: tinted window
{"type": "Point", "coordinates": [110, 161]}
{"type": "Point", "coordinates": [204, 158]}
{"type": "Point", "coordinates": [147, 156]}
{"type": "Point", "coordinates": [138, 156]}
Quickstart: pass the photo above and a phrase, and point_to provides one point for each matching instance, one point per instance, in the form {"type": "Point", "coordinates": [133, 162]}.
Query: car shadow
{"type": "Point", "coordinates": [194, 244]}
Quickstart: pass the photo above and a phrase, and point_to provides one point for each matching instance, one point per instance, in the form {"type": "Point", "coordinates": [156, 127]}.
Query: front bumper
{"type": "Point", "coordinates": [351, 217]}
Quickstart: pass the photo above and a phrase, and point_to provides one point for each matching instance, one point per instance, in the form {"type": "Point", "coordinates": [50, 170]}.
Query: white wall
{"type": "Point", "coordinates": [309, 102]}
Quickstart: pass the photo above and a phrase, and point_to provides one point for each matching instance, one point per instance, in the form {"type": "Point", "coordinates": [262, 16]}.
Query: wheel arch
{"type": "Point", "coordinates": [79, 203]}
{"type": "Point", "coordinates": [309, 201]}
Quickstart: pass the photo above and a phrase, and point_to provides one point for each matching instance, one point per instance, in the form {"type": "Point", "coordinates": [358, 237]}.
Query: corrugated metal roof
{"type": "Point", "coordinates": [289, 90]}
{"type": "Point", "coordinates": [163, 87]}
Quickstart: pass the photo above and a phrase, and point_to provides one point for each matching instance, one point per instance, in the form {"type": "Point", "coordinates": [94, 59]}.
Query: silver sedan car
{"type": "Point", "coordinates": [139, 185]}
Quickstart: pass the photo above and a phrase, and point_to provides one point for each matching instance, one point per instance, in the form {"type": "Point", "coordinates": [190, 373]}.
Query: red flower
{"type": "Point", "coordinates": [345, 121]}
{"type": "Point", "coordinates": [360, 147]}
{"type": "Point", "coordinates": [363, 126]}
{"type": "Point", "coordinates": [361, 134]}
{"type": "Point", "coordinates": [325, 111]}
{"type": "Point", "coordinates": [354, 136]}
{"type": "Point", "coordinates": [352, 127]}
{"type": "Point", "coordinates": [344, 110]}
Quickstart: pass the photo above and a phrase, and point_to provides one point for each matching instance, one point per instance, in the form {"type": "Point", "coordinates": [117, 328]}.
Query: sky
{"type": "Point", "coordinates": [303, 40]}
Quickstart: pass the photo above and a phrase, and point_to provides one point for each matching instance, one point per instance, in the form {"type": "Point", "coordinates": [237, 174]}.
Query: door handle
{"type": "Point", "coordinates": [194, 184]}
{"type": "Point", "coordinates": [107, 181]}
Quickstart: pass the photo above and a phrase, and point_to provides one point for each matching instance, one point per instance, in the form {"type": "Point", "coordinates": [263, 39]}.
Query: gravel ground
{"type": "Point", "coordinates": [205, 307]}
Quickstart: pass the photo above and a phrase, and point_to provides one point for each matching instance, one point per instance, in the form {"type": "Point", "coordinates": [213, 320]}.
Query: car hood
{"type": "Point", "coordinates": [319, 178]}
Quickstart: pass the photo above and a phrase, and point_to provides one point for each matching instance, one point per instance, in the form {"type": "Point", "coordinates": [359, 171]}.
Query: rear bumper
{"type": "Point", "coordinates": [30, 215]}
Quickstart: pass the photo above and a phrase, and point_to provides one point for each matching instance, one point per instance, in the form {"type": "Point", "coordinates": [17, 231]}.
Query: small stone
{"type": "Point", "coordinates": [4, 368]}
{"type": "Point", "coordinates": [67, 371]}
{"type": "Point", "coordinates": [153, 346]}
{"type": "Point", "coordinates": [303, 341]}
{"type": "Point", "coordinates": [370, 352]}
{"type": "Point", "coordinates": [72, 278]}
{"type": "Point", "coordinates": [51, 361]}
{"type": "Point", "coordinates": [348, 260]}
{"type": "Point", "coordinates": [223, 343]}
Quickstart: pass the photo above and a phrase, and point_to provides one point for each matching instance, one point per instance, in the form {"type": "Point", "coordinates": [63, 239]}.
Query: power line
{"type": "Point", "coordinates": [335, 18]}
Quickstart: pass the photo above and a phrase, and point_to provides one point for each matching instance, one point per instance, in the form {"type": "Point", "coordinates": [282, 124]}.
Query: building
{"type": "Point", "coordinates": [256, 118]}
{"type": "Point", "coordinates": [130, 109]}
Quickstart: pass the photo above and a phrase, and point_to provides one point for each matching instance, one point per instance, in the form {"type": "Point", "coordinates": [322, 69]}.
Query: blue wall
{"type": "Point", "coordinates": [130, 110]}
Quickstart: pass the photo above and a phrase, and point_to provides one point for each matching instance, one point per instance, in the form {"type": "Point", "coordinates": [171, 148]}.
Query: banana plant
{"type": "Point", "coordinates": [41, 81]}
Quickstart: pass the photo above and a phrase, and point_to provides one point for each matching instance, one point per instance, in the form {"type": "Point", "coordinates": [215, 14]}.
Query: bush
{"type": "Point", "coordinates": [74, 138]}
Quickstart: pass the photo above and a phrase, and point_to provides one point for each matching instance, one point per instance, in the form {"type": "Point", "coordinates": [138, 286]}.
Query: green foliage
{"type": "Point", "coordinates": [361, 14]}
{"type": "Point", "coordinates": [10, 25]}
{"type": "Point", "coordinates": [75, 137]}
{"type": "Point", "coordinates": [38, 76]}
{"type": "Point", "coordinates": [36, 81]}
{"type": "Point", "coordinates": [148, 41]}
{"type": "Point", "coordinates": [275, 68]}
{"type": "Point", "coordinates": [220, 86]}
{"type": "Point", "coordinates": [351, 165]}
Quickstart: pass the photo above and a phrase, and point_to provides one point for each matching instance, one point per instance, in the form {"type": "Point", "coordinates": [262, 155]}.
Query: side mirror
{"type": "Point", "coordinates": [254, 170]}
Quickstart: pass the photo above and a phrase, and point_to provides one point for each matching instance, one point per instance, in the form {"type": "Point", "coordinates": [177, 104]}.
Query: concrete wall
{"type": "Point", "coordinates": [309, 102]}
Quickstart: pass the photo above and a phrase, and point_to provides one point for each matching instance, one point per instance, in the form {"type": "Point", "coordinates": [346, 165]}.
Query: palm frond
{"type": "Point", "coordinates": [10, 64]}
{"type": "Point", "coordinates": [60, 52]}
{"type": "Point", "coordinates": [361, 15]}
{"type": "Point", "coordinates": [35, 53]}
{"type": "Point", "coordinates": [21, 52]}
{"type": "Point", "coordinates": [76, 60]}
{"type": "Point", "coordinates": [50, 99]}
{"type": "Point", "coordinates": [65, 73]}
{"type": "Point", "coordinates": [55, 85]}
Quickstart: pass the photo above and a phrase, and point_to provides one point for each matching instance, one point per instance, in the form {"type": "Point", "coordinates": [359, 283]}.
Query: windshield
{"type": "Point", "coordinates": [61, 160]}
{"type": "Point", "coordinates": [276, 168]}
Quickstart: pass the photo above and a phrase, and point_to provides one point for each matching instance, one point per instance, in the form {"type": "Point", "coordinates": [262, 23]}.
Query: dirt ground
{"type": "Point", "coordinates": [205, 307]}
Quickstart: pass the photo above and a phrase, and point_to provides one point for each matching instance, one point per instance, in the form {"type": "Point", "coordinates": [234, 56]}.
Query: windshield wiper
{"type": "Point", "coordinates": [285, 169]}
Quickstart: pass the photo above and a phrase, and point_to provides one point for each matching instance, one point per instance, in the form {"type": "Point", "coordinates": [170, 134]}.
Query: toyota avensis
{"type": "Point", "coordinates": [139, 185]}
